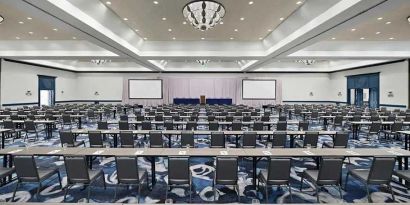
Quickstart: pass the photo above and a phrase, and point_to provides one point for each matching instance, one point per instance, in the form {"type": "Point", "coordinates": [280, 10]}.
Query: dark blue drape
{"type": "Point", "coordinates": [365, 81]}
{"type": "Point", "coordinates": [46, 83]}
{"type": "Point", "coordinates": [359, 97]}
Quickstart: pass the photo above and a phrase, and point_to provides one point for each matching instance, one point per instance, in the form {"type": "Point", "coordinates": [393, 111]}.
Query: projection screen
{"type": "Point", "coordinates": [259, 89]}
{"type": "Point", "coordinates": [145, 89]}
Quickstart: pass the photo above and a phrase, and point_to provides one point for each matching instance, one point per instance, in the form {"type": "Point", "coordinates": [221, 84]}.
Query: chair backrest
{"type": "Point", "coordinates": [279, 139]}
{"type": "Point", "coordinates": [123, 125]}
{"type": "Point", "coordinates": [303, 125]}
{"type": "Point", "coordinates": [282, 118]}
{"type": "Point", "coordinates": [391, 118]}
{"type": "Point", "coordinates": [159, 118]}
{"type": "Point", "coordinates": [397, 126]}
{"type": "Point", "coordinates": [169, 125]}
{"type": "Point", "coordinates": [338, 120]}
{"type": "Point", "coordinates": [374, 118]}
{"type": "Point", "coordinates": [155, 139]}
{"type": "Point", "coordinates": [77, 170]}
{"type": "Point", "coordinates": [226, 170]}
{"type": "Point", "coordinates": [127, 170]}
{"type": "Point", "coordinates": [66, 118]}
{"type": "Point", "coordinates": [127, 139]}
{"type": "Point", "coordinates": [357, 118]}
{"type": "Point", "coordinates": [236, 126]}
{"type": "Point", "coordinates": [140, 118]}
{"type": "Point", "coordinates": [282, 126]}
{"type": "Point", "coordinates": [279, 170]}
{"type": "Point", "coordinates": [246, 118]}
{"type": "Point", "coordinates": [211, 118]}
{"type": "Point", "coordinates": [193, 117]}
{"type": "Point", "coordinates": [67, 137]}
{"type": "Point", "coordinates": [29, 125]}
{"type": "Point", "coordinates": [311, 138]}
{"type": "Point", "coordinates": [265, 118]}
{"type": "Point", "coordinates": [146, 125]}
{"type": "Point", "coordinates": [217, 140]}
{"type": "Point", "coordinates": [26, 168]}
{"type": "Point", "coordinates": [330, 171]}
{"type": "Point", "coordinates": [258, 126]}
{"type": "Point", "coordinates": [178, 170]}
{"type": "Point", "coordinates": [341, 140]}
{"type": "Point", "coordinates": [229, 118]}
{"type": "Point", "coordinates": [8, 124]}
{"type": "Point", "coordinates": [176, 117]}
{"type": "Point", "coordinates": [213, 125]}
{"type": "Point", "coordinates": [249, 140]}
{"type": "Point", "coordinates": [102, 125]}
{"type": "Point", "coordinates": [95, 139]}
{"type": "Point", "coordinates": [191, 125]}
{"type": "Point", "coordinates": [375, 126]}
{"type": "Point", "coordinates": [381, 170]}
{"type": "Point", "coordinates": [315, 114]}
{"type": "Point", "coordinates": [187, 138]}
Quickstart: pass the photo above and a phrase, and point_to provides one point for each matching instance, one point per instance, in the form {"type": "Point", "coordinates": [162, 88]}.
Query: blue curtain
{"type": "Point", "coordinates": [373, 98]}
{"type": "Point", "coordinates": [359, 82]}
{"type": "Point", "coordinates": [359, 97]}
{"type": "Point", "coordinates": [46, 83]}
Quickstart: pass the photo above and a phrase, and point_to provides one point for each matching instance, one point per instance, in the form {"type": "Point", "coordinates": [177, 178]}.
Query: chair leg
{"type": "Point", "coordinates": [89, 193]}
{"type": "Point", "coordinates": [59, 180]}
{"type": "Point", "coordinates": [190, 193]}
{"type": "Point", "coordinates": [66, 192]}
{"type": "Point", "coordinates": [392, 192]}
{"type": "Point", "coordinates": [317, 193]}
{"type": "Point", "coordinates": [266, 194]}
{"type": "Point", "coordinates": [340, 191]}
{"type": "Point", "coordinates": [301, 182]}
{"type": "Point", "coordinates": [347, 177]}
{"type": "Point", "coordinates": [15, 190]}
{"type": "Point", "coordinates": [239, 194]}
{"type": "Point", "coordinates": [103, 178]}
{"type": "Point", "coordinates": [139, 193]}
{"type": "Point", "coordinates": [38, 190]}
{"type": "Point", "coordinates": [290, 193]}
{"type": "Point", "coordinates": [115, 192]}
{"type": "Point", "coordinates": [214, 191]}
{"type": "Point", "coordinates": [368, 194]}
{"type": "Point", "coordinates": [166, 192]}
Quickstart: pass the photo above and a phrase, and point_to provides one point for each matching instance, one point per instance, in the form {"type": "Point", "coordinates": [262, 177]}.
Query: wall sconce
{"type": "Point", "coordinates": [28, 93]}
{"type": "Point", "coordinates": [311, 94]}
{"type": "Point", "coordinates": [390, 94]}
{"type": "Point", "coordinates": [62, 92]}
{"type": "Point", "coordinates": [339, 94]}
{"type": "Point", "coordinates": [96, 93]}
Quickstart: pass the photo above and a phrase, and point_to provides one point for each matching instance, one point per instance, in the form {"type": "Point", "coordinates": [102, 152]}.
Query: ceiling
{"type": "Point", "coordinates": [260, 18]}
{"type": "Point", "coordinates": [310, 29]}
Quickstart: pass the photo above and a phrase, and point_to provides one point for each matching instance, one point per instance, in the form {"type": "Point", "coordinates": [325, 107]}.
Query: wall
{"type": "Point", "coordinates": [17, 79]}
{"type": "Point", "coordinates": [393, 77]}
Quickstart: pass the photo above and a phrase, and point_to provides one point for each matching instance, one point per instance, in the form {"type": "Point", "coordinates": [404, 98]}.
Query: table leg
{"type": "Point", "coordinates": [90, 161]}
{"type": "Point", "coordinates": [325, 123]}
{"type": "Point", "coordinates": [237, 141]}
{"type": "Point", "coordinates": [115, 136]}
{"type": "Point", "coordinates": [254, 161]}
{"type": "Point", "coordinates": [10, 165]}
{"type": "Point", "coordinates": [406, 142]}
{"type": "Point", "coordinates": [115, 112]}
{"type": "Point", "coordinates": [153, 179]}
{"type": "Point", "coordinates": [101, 115]}
{"type": "Point", "coordinates": [3, 136]}
{"type": "Point", "coordinates": [79, 123]}
{"type": "Point", "coordinates": [169, 140]}
{"type": "Point", "coordinates": [5, 158]}
{"type": "Point", "coordinates": [292, 141]}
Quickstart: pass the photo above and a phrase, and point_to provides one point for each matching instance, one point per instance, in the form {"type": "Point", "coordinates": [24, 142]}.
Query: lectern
{"type": "Point", "coordinates": [202, 100]}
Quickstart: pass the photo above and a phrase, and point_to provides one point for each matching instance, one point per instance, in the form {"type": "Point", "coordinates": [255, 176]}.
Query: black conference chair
{"type": "Point", "coordinates": [179, 174]}
{"type": "Point", "coordinates": [187, 139]}
{"type": "Point", "coordinates": [5, 172]}
{"type": "Point", "coordinates": [393, 132]}
{"type": "Point", "coordinates": [276, 174]}
{"type": "Point", "coordinates": [30, 127]}
{"type": "Point", "coordinates": [129, 174]}
{"type": "Point", "coordinates": [168, 125]}
{"type": "Point", "coordinates": [311, 137]}
{"type": "Point", "coordinates": [123, 117]}
{"type": "Point", "coordinates": [127, 139]}
{"type": "Point", "coordinates": [211, 118]}
{"type": "Point", "coordinates": [102, 125]}
{"type": "Point", "coordinates": [78, 173]}
{"type": "Point", "coordinates": [282, 118]}
{"type": "Point", "coordinates": [249, 140]}
{"type": "Point", "coordinates": [236, 126]}
{"type": "Point", "coordinates": [329, 174]}
{"type": "Point", "coordinates": [123, 125]}
{"type": "Point", "coordinates": [338, 121]}
{"type": "Point", "coordinates": [95, 139]}
{"type": "Point", "coordinates": [213, 125]}
{"type": "Point", "coordinates": [226, 174]}
{"type": "Point", "coordinates": [282, 126]}
{"type": "Point", "coordinates": [380, 173]}
{"type": "Point", "coordinates": [27, 172]}
{"type": "Point", "coordinates": [156, 140]}
{"type": "Point", "coordinates": [66, 121]}
{"type": "Point", "coordinates": [279, 139]}
{"type": "Point", "coordinates": [303, 125]}
{"type": "Point", "coordinates": [374, 129]}
{"type": "Point", "coordinates": [68, 138]}
{"type": "Point", "coordinates": [340, 141]}
{"type": "Point", "coordinates": [146, 125]}
{"type": "Point", "coordinates": [191, 125]}
{"type": "Point", "coordinates": [217, 140]}
{"type": "Point", "coordinates": [9, 124]}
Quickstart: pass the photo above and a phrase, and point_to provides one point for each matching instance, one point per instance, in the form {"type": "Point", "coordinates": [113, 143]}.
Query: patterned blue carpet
{"type": "Point", "coordinates": [202, 171]}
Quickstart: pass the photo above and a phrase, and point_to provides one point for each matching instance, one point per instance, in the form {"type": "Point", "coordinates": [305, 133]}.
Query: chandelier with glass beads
{"type": "Point", "coordinates": [204, 15]}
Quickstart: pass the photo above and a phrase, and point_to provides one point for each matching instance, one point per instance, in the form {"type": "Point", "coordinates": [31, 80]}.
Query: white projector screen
{"type": "Point", "coordinates": [259, 89]}
{"type": "Point", "coordinates": [144, 89]}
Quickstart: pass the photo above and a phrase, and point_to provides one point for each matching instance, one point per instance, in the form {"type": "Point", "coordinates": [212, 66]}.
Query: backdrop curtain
{"type": "Point", "coordinates": [194, 87]}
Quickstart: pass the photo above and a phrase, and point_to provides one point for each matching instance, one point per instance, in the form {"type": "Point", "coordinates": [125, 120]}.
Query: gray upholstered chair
{"type": "Point", "coordinates": [187, 138]}
{"type": "Point", "coordinates": [329, 174]}
{"type": "Point", "coordinates": [311, 137]}
{"type": "Point", "coordinates": [123, 125]}
{"type": "Point", "coordinates": [67, 137]}
{"type": "Point", "coordinates": [191, 125]}
{"type": "Point", "coordinates": [30, 127]}
{"type": "Point", "coordinates": [340, 140]}
{"type": "Point", "coordinates": [279, 139]}
{"type": "Point", "coordinates": [379, 173]}
{"type": "Point", "coordinates": [27, 172]}
{"type": "Point", "coordinates": [95, 139]}
{"type": "Point", "coordinates": [128, 173]}
{"type": "Point", "coordinates": [102, 125]}
{"type": "Point", "coordinates": [249, 140]}
{"type": "Point", "coordinates": [127, 139]}
{"type": "Point", "coordinates": [146, 125]}
{"type": "Point", "coordinates": [78, 173]}
{"type": "Point", "coordinates": [155, 139]}
{"type": "Point", "coordinates": [303, 125]}
{"type": "Point", "coordinates": [217, 140]}
{"type": "Point", "coordinates": [282, 126]}
{"type": "Point", "coordinates": [277, 173]}
{"type": "Point", "coordinates": [213, 125]}
{"type": "Point", "coordinates": [226, 174]}
{"type": "Point", "coordinates": [179, 174]}
{"type": "Point", "coordinates": [66, 120]}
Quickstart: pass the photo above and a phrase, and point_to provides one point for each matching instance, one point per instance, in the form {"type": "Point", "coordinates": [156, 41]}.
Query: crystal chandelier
{"type": "Point", "coordinates": [203, 62]}
{"type": "Point", "coordinates": [306, 62]}
{"type": "Point", "coordinates": [204, 15]}
{"type": "Point", "coordinates": [100, 61]}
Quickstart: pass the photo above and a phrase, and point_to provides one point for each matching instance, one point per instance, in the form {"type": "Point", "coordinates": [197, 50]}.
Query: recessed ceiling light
{"type": "Point", "coordinates": [20, 22]}
{"type": "Point", "coordinates": [236, 30]}
{"type": "Point", "coordinates": [108, 2]}
{"type": "Point", "coordinates": [125, 19]}
{"type": "Point", "coordinates": [173, 38]}
{"type": "Point", "coordinates": [231, 38]}
{"type": "Point", "coordinates": [136, 30]}
{"type": "Point", "coordinates": [184, 22]}
{"type": "Point", "coordinates": [378, 32]}
{"type": "Point", "coordinates": [353, 29]}
{"type": "Point", "coordinates": [333, 38]}
{"type": "Point", "coordinates": [155, 2]}
{"type": "Point", "coordinates": [145, 38]}
{"type": "Point", "coordinates": [18, 38]}
{"type": "Point", "coordinates": [299, 2]}
{"type": "Point", "coordinates": [269, 30]}
{"type": "Point", "coordinates": [45, 38]}
{"type": "Point", "coordinates": [260, 38]}
{"type": "Point", "coordinates": [221, 22]}
{"type": "Point", "coordinates": [391, 38]}
{"type": "Point", "coordinates": [74, 37]}
{"type": "Point", "coordinates": [380, 18]}
{"type": "Point", "coordinates": [202, 38]}
{"type": "Point", "coordinates": [362, 38]}
{"type": "Point", "coordinates": [388, 22]}
{"type": "Point", "coordinates": [29, 18]}
{"type": "Point", "coordinates": [281, 18]}
{"type": "Point", "coordinates": [30, 32]}
{"type": "Point", "coordinates": [242, 18]}
{"type": "Point", "coordinates": [250, 3]}
{"type": "Point", "coordinates": [169, 30]}
{"type": "Point", "coordinates": [164, 19]}
{"type": "Point", "coordinates": [54, 29]}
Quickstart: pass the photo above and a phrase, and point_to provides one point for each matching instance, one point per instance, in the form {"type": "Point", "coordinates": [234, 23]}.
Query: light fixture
{"type": "Point", "coordinates": [380, 18]}
{"type": "Point", "coordinates": [74, 37]}
{"type": "Point", "coordinates": [203, 62]}
{"type": "Point", "coordinates": [299, 2]}
{"type": "Point", "coordinates": [45, 38]}
{"type": "Point", "coordinates": [242, 18]}
{"type": "Point", "coordinates": [30, 32]}
{"type": "Point", "coordinates": [155, 2]}
{"type": "Point", "coordinates": [169, 30]}
{"type": "Point", "coordinates": [250, 3]}
{"type": "Point", "coordinates": [221, 22]}
{"type": "Point", "coordinates": [125, 19]}
{"type": "Point", "coordinates": [269, 30]}
{"type": "Point", "coordinates": [202, 38]}
{"type": "Point", "coordinates": [108, 2]}
{"type": "Point", "coordinates": [20, 22]}
{"type": "Point", "coordinates": [145, 38]}
{"type": "Point", "coordinates": [362, 38]}
{"type": "Point", "coordinates": [391, 38]}
{"type": "Point", "coordinates": [231, 38]}
{"type": "Point", "coordinates": [388, 22]}
{"type": "Point", "coordinates": [29, 18]}
{"type": "Point", "coordinates": [353, 29]}
{"type": "Point", "coordinates": [164, 19]}
{"type": "Point", "coordinates": [173, 38]}
{"type": "Point", "coordinates": [408, 19]}
{"type": "Point", "coordinates": [236, 30]}
{"type": "Point", "coordinates": [333, 38]}
{"type": "Point", "coordinates": [306, 61]}
{"type": "Point", "coordinates": [281, 18]}
{"type": "Point", "coordinates": [100, 61]}
{"type": "Point", "coordinates": [203, 15]}
{"type": "Point", "coordinates": [137, 30]}
{"type": "Point", "coordinates": [54, 29]}
{"type": "Point", "coordinates": [1, 18]}
{"type": "Point", "coordinates": [378, 32]}
{"type": "Point", "coordinates": [184, 22]}
{"type": "Point", "coordinates": [260, 38]}
{"type": "Point", "coordinates": [18, 38]}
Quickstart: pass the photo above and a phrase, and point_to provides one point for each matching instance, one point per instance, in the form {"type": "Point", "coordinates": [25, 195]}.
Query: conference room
{"type": "Point", "coordinates": [204, 102]}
